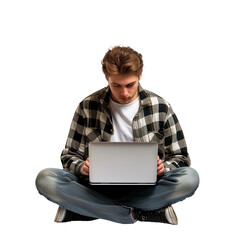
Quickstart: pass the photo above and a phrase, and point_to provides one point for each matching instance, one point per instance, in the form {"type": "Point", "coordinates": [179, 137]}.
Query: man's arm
{"type": "Point", "coordinates": [73, 156]}
{"type": "Point", "coordinates": [176, 154]}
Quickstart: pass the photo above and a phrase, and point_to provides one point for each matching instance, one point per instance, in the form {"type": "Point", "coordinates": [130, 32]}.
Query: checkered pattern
{"type": "Point", "coordinates": [154, 122]}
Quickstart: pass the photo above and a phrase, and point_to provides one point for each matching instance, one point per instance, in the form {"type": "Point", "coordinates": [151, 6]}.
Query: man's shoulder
{"type": "Point", "coordinates": [95, 100]}
{"type": "Point", "coordinates": [96, 96]}
{"type": "Point", "coordinates": [156, 99]}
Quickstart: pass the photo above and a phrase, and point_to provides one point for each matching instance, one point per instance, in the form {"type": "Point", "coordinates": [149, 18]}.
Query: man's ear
{"type": "Point", "coordinates": [140, 76]}
{"type": "Point", "coordinates": [106, 77]}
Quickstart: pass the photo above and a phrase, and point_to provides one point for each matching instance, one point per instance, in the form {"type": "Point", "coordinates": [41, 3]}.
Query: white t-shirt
{"type": "Point", "coordinates": [122, 117]}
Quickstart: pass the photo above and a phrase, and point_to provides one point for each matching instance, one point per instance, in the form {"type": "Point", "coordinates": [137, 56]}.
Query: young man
{"type": "Point", "coordinates": [122, 111]}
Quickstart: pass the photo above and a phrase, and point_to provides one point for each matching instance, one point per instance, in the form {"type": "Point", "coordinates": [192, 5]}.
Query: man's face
{"type": "Point", "coordinates": [124, 88]}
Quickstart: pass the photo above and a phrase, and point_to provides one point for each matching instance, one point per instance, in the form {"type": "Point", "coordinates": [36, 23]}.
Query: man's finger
{"type": "Point", "coordinates": [159, 162]}
{"type": "Point", "coordinates": [160, 167]}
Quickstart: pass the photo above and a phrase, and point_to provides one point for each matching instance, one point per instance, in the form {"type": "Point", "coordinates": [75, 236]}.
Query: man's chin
{"type": "Point", "coordinates": [125, 100]}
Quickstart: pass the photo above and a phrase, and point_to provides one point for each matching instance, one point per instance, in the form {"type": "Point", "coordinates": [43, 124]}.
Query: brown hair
{"type": "Point", "coordinates": [122, 60]}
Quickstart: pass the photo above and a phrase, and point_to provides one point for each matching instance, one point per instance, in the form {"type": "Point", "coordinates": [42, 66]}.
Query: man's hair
{"type": "Point", "coordinates": [122, 60]}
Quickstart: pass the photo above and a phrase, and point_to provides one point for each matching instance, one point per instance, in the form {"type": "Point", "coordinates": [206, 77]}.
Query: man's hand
{"type": "Point", "coordinates": [85, 168]}
{"type": "Point", "coordinates": [160, 167]}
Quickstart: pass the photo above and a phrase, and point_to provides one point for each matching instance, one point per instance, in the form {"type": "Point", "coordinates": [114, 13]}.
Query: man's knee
{"type": "Point", "coordinates": [50, 180]}
{"type": "Point", "coordinates": [184, 179]}
{"type": "Point", "coordinates": [189, 180]}
{"type": "Point", "coordinates": [43, 179]}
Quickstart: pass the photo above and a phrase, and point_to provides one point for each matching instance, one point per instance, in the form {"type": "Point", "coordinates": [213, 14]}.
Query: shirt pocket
{"type": "Point", "coordinates": [92, 135]}
{"type": "Point", "coordinates": [155, 137]}
{"type": "Point", "coordinates": [158, 138]}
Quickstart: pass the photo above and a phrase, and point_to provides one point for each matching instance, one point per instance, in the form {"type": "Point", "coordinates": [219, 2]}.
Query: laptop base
{"type": "Point", "coordinates": [102, 183]}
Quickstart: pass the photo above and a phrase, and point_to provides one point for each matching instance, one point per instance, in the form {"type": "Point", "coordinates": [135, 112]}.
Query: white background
{"type": "Point", "coordinates": [50, 59]}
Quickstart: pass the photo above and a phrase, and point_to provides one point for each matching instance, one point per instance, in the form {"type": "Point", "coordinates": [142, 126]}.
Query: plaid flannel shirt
{"type": "Point", "coordinates": [154, 122]}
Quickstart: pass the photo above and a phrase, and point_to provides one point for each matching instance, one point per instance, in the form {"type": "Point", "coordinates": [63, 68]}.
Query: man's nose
{"type": "Point", "coordinates": [124, 91]}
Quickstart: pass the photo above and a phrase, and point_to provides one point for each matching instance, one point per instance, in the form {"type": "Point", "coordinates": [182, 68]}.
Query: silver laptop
{"type": "Point", "coordinates": [122, 163]}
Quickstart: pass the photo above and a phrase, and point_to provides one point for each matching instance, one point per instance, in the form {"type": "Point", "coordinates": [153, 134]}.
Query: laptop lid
{"type": "Point", "coordinates": [123, 163]}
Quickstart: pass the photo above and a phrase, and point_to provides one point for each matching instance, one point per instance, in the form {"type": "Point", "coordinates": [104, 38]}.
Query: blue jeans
{"type": "Point", "coordinates": [115, 203]}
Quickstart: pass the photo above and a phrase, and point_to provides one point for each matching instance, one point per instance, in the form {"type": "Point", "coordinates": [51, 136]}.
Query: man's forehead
{"type": "Point", "coordinates": [123, 83]}
{"type": "Point", "coordinates": [123, 79]}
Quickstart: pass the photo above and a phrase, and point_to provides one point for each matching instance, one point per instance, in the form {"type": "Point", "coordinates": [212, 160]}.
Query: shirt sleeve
{"type": "Point", "coordinates": [176, 153]}
{"type": "Point", "coordinates": [73, 156]}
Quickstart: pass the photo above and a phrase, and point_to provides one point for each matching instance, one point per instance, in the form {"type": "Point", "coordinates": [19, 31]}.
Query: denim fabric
{"type": "Point", "coordinates": [115, 203]}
